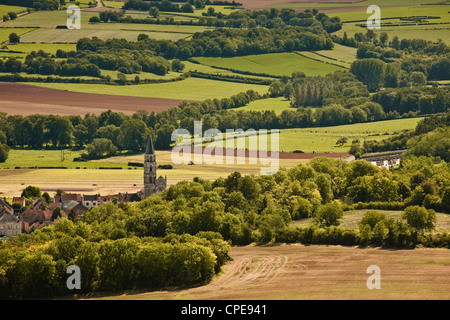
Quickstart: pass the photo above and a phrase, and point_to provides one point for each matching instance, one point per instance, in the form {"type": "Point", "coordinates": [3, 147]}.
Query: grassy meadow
{"type": "Point", "coordinates": [277, 64]}
{"type": "Point", "coordinates": [323, 139]}
{"type": "Point", "coordinates": [278, 105]}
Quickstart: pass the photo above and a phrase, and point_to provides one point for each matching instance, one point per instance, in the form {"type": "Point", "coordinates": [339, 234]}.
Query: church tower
{"type": "Point", "coordinates": [149, 169]}
{"type": "Point", "coordinates": [151, 184]}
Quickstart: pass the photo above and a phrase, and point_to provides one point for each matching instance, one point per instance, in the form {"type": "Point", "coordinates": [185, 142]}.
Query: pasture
{"type": "Point", "coordinates": [298, 272]}
{"type": "Point", "coordinates": [323, 139]}
{"type": "Point", "coordinates": [276, 104]}
{"type": "Point", "coordinates": [277, 64]}
{"type": "Point", "coordinates": [5, 9]}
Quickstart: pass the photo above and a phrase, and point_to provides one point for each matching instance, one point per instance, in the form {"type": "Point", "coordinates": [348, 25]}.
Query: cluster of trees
{"type": "Point", "coordinates": [87, 63]}
{"type": "Point", "coordinates": [397, 63]}
{"type": "Point", "coordinates": [273, 18]}
{"type": "Point", "coordinates": [164, 5]}
{"type": "Point", "coordinates": [108, 259]}
{"type": "Point", "coordinates": [45, 65]}
{"type": "Point", "coordinates": [221, 42]}
{"type": "Point", "coordinates": [434, 65]}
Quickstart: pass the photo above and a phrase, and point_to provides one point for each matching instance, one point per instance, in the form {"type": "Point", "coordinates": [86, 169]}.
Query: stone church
{"type": "Point", "coordinates": [151, 183]}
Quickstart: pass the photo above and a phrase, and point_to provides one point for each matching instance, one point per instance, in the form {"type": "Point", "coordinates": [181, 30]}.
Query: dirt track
{"type": "Point", "coordinates": [16, 98]}
{"type": "Point", "coordinates": [322, 272]}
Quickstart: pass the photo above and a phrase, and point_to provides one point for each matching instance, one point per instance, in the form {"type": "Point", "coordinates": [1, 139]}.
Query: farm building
{"type": "Point", "coordinates": [386, 160]}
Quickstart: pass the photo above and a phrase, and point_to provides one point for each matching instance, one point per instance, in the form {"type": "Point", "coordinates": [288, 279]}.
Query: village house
{"type": "Point", "coordinates": [34, 219]}
{"type": "Point", "coordinates": [38, 204]}
{"type": "Point", "coordinates": [10, 225]}
{"type": "Point", "coordinates": [20, 200]}
{"type": "Point", "coordinates": [387, 160]}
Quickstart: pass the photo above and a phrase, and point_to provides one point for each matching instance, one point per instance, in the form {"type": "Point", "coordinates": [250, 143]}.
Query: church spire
{"type": "Point", "coordinates": [149, 149]}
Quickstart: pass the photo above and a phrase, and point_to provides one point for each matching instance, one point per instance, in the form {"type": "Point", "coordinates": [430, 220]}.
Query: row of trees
{"type": "Point", "coordinates": [273, 18]}
{"type": "Point", "coordinates": [221, 42]}
{"type": "Point", "coordinates": [85, 63]}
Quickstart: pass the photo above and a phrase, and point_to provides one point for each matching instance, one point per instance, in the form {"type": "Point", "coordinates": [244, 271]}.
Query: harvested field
{"type": "Point", "coordinates": [16, 98]}
{"type": "Point", "coordinates": [321, 272]}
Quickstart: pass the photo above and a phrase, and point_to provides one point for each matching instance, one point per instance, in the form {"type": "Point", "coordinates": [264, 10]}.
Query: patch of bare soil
{"type": "Point", "coordinates": [23, 99]}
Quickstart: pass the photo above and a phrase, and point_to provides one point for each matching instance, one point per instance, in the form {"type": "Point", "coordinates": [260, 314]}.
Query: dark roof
{"type": "Point", "coordinates": [91, 197]}
{"type": "Point", "coordinates": [149, 149]}
{"type": "Point", "coordinates": [9, 218]}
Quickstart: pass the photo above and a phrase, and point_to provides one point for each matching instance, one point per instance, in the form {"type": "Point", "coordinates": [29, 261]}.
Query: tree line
{"type": "Point", "coordinates": [273, 18]}
{"type": "Point", "coordinates": [221, 42]}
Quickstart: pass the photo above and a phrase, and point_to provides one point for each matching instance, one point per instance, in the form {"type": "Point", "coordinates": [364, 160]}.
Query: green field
{"type": "Point", "coordinates": [276, 104]}
{"type": "Point", "coordinates": [428, 31]}
{"type": "Point", "coordinates": [277, 64]}
{"type": "Point", "coordinates": [24, 158]}
{"type": "Point", "coordinates": [188, 89]}
{"type": "Point", "coordinates": [5, 9]}
{"type": "Point", "coordinates": [113, 4]}
{"type": "Point", "coordinates": [340, 55]}
{"type": "Point", "coordinates": [5, 32]}
{"type": "Point", "coordinates": [47, 47]}
{"type": "Point", "coordinates": [324, 139]}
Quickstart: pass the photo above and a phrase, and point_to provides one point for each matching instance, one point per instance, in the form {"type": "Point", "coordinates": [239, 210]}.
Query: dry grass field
{"type": "Point", "coordinates": [111, 181]}
{"type": "Point", "coordinates": [297, 272]}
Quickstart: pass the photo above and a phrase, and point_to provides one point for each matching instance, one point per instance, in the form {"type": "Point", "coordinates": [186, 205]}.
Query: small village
{"type": "Point", "coordinates": [18, 217]}
{"type": "Point", "coordinates": [26, 214]}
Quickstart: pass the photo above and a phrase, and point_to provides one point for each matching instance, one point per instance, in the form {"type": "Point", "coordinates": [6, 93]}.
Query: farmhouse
{"type": "Point", "coordinates": [9, 225]}
{"type": "Point", "coordinates": [386, 160]}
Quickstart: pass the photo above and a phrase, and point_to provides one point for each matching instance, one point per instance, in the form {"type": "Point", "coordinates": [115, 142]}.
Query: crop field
{"type": "Point", "coordinates": [26, 99]}
{"type": "Point", "coordinates": [278, 64]}
{"type": "Point", "coordinates": [188, 89]}
{"type": "Point", "coordinates": [293, 272]}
